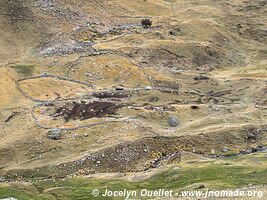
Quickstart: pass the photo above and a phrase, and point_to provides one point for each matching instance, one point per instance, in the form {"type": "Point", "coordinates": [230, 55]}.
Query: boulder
{"type": "Point", "coordinates": [251, 136]}
{"type": "Point", "coordinates": [173, 121]}
{"type": "Point", "coordinates": [54, 134]}
{"type": "Point", "coordinates": [225, 149]}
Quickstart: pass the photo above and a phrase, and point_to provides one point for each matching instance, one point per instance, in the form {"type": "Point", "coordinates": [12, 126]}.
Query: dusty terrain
{"type": "Point", "coordinates": [91, 71]}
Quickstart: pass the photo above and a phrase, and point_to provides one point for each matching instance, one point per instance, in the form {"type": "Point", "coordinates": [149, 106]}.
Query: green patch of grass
{"type": "Point", "coordinates": [221, 177]}
{"type": "Point", "coordinates": [23, 192]}
{"type": "Point", "coordinates": [26, 70]}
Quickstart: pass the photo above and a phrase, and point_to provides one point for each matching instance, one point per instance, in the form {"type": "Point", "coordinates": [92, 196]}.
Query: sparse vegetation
{"type": "Point", "coordinates": [25, 70]}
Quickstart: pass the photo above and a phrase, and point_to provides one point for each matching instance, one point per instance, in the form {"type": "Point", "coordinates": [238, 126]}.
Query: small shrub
{"type": "Point", "coordinates": [146, 23]}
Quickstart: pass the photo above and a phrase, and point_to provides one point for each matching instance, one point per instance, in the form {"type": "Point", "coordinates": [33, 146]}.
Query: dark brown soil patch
{"type": "Point", "coordinates": [84, 110]}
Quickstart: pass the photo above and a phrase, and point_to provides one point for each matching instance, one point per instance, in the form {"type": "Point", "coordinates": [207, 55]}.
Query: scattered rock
{"type": "Point", "coordinates": [251, 136]}
{"type": "Point", "coordinates": [148, 87]}
{"type": "Point", "coordinates": [248, 151]}
{"type": "Point", "coordinates": [85, 135]}
{"type": "Point", "coordinates": [262, 148]}
{"type": "Point", "coordinates": [225, 149]}
{"type": "Point", "coordinates": [74, 136]}
{"type": "Point", "coordinates": [173, 121]}
{"type": "Point", "coordinates": [174, 157]}
{"type": "Point", "coordinates": [111, 94]}
{"type": "Point", "coordinates": [54, 134]}
{"type": "Point", "coordinates": [155, 164]}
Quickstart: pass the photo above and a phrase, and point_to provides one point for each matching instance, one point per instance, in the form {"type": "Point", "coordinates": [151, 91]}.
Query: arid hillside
{"type": "Point", "coordinates": [86, 88]}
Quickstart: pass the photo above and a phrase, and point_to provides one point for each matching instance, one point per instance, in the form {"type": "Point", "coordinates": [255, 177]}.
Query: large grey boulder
{"type": "Point", "coordinates": [54, 134]}
{"type": "Point", "coordinates": [173, 121]}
